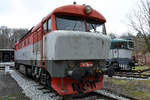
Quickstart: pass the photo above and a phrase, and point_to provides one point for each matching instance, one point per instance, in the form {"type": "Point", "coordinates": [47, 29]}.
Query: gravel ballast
{"type": "Point", "coordinates": [30, 88]}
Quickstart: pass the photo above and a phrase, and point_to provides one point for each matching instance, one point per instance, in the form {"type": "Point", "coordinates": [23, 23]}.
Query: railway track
{"type": "Point", "coordinates": [130, 74]}
{"type": "Point", "coordinates": [141, 71]}
{"type": "Point", "coordinates": [2, 68]}
{"type": "Point", "coordinates": [36, 91]}
{"type": "Point", "coordinates": [133, 74]}
{"type": "Point", "coordinates": [135, 71]}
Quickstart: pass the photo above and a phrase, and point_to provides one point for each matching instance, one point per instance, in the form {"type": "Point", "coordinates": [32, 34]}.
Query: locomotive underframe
{"type": "Point", "coordinates": [60, 68]}
{"type": "Point", "coordinates": [81, 80]}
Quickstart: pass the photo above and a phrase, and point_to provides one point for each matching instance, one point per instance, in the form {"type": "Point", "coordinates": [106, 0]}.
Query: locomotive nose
{"type": "Point", "coordinates": [79, 45]}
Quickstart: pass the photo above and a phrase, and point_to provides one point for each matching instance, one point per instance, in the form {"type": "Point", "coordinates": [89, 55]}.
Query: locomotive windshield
{"type": "Point", "coordinates": [70, 23]}
{"type": "Point", "coordinates": [94, 26]}
{"type": "Point", "coordinates": [75, 23]}
{"type": "Point", "coordinates": [122, 45]}
{"type": "Point", "coordinates": [119, 45]}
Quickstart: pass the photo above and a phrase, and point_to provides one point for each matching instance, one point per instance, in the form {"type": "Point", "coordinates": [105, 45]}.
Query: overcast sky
{"type": "Point", "coordinates": [27, 13]}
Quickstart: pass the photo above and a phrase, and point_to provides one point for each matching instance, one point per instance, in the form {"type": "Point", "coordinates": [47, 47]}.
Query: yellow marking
{"type": "Point", "coordinates": [142, 75]}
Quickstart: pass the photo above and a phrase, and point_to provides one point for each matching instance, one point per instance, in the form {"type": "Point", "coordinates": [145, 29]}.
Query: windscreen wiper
{"type": "Point", "coordinates": [93, 28]}
{"type": "Point", "coordinates": [74, 25]}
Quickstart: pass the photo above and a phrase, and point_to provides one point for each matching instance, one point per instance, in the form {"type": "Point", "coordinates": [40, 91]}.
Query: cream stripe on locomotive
{"type": "Point", "coordinates": [28, 53]}
{"type": "Point", "coordinates": [62, 45]}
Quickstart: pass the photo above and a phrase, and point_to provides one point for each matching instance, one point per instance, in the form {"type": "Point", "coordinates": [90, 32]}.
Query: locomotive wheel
{"type": "Point", "coordinates": [33, 72]}
{"type": "Point", "coordinates": [48, 80]}
{"type": "Point", "coordinates": [37, 74]}
{"type": "Point", "coordinates": [28, 71]}
{"type": "Point", "coordinates": [111, 72]}
{"type": "Point", "coordinates": [16, 66]}
{"type": "Point", "coordinates": [42, 78]}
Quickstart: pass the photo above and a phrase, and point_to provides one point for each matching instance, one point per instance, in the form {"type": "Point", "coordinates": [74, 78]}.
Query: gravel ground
{"type": "Point", "coordinates": [9, 89]}
{"type": "Point", "coordinates": [111, 95]}
{"type": "Point", "coordinates": [30, 88]}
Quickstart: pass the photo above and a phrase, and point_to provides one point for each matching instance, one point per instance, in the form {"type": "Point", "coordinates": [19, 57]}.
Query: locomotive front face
{"type": "Point", "coordinates": [77, 50]}
{"type": "Point", "coordinates": [77, 42]}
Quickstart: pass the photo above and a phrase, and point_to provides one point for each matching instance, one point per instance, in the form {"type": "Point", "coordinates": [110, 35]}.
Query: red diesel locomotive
{"type": "Point", "coordinates": [66, 50]}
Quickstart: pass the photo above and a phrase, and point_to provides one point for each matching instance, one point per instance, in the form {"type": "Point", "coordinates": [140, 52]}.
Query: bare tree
{"type": "Point", "coordinates": [8, 36]}
{"type": "Point", "coordinates": [112, 35]}
{"type": "Point", "coordinates": [139, 20]}
{"type": "Point", "coordinates": [17, 34]}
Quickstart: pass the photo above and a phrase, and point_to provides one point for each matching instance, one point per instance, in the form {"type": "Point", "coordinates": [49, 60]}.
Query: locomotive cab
{"type": "Point", "coordinates": [81, 47]}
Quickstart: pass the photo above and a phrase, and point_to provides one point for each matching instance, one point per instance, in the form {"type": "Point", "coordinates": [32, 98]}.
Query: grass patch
{"type": "Point", "coordinates": [8, 98]}
{"type": "Point", "coordinates": [15, 97]}
{"type": "Point", "coordinates": [141, 67]}
{"type": "Point", "coordinates": [146, 73]}
{"type": "Point", "coordinates": [140, 95]}
{"type": "Point", "coordinates": [147, 83]}
{"type": "Point", "coordinates": [131, 84]}
{"type": "Point", "coordinates": [139, 89]}
{"type": "Point", "coordinates": [119, 82]}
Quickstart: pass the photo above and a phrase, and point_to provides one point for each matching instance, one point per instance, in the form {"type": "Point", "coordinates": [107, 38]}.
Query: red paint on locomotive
{"type": "Point", "coordinates": [67, 87]}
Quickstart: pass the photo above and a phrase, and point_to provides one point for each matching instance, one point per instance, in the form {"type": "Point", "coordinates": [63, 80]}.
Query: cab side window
{"type": "Point", "coordinates": [28, 41]}
{"type": "Point", "coordinates": [49, 24]}
{"type": "Point", "coordinates": [45, 27]}
{"type": "Point", "coordinates": [24, 42]}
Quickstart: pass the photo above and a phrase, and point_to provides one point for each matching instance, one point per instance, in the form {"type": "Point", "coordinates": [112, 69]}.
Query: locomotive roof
{"type": "Point", "coordinates": [73, 10]}
{"type": "Point", "coordinates": [76, 10]}
{"type": "Point", "coordinates": [121, 40]}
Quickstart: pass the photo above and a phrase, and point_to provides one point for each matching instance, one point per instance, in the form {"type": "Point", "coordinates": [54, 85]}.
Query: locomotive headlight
{"type": "Point", "coordinates": [88, 9]}
{"type": "Point", "coordinates": [70, 73]}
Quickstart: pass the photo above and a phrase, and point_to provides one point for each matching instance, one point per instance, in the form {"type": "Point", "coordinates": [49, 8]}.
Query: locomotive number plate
{"type": "Point", "coordinates": [86, 64]}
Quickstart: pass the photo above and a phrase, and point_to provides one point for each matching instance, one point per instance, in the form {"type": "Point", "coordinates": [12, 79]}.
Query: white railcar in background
{"type": "Point", "coordinates": [121, 54]}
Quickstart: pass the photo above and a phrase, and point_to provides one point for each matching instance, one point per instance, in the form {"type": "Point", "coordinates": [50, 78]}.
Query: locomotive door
{"type": "Point", "coordinates": [44, 30]}
{"type": "Point", "coordinates": [43, 48]}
